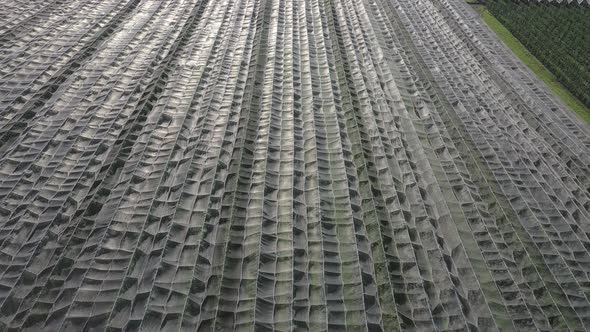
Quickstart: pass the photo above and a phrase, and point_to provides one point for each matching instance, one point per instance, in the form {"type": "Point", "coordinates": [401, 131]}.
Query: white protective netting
{"type": "Point", "coordinates": [283, 165]}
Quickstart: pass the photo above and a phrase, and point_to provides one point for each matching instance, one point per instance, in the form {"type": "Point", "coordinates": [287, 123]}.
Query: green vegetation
{"type": "Point", "coordinates": [554, 39]}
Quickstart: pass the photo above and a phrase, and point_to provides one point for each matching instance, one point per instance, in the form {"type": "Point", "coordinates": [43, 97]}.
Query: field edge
{"type": "Point", "coordinates": [532, 63]}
